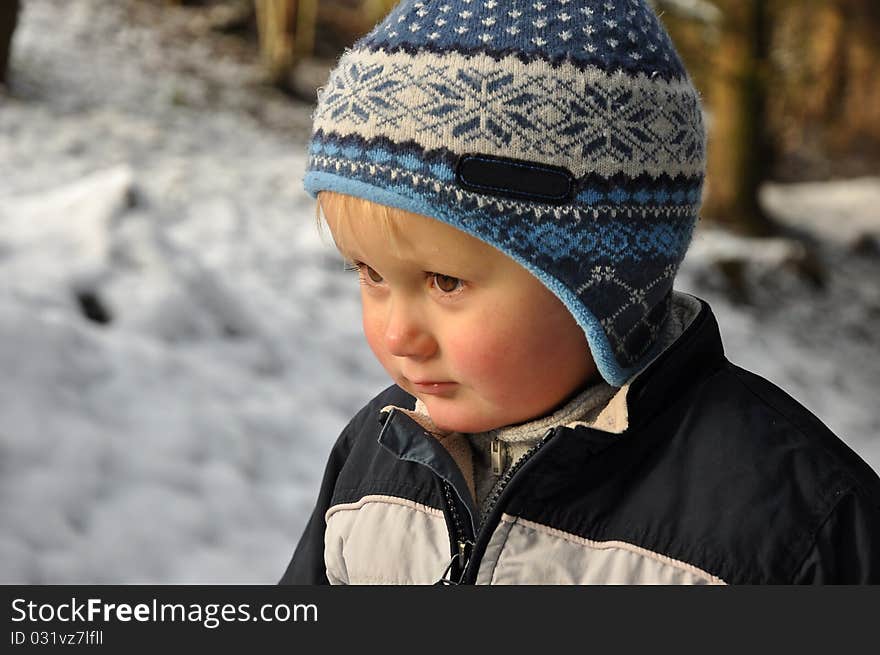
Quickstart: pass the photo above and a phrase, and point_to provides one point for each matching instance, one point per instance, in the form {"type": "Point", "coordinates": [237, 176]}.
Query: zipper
{"type": "Point", "coordinates": [502, 485]}
{"type": "Point", "coordinates": [462, 555]}
{"type": "Point", "coordinates": [497, 453]}
{"type": "Point", "coordinates": [463, 546]}
{"type": "Point", "coordinates": [498, 494]}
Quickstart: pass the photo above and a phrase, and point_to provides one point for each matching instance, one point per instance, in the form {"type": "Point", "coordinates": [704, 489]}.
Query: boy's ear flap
{"type": "Point", "coordinates": [514, 178]}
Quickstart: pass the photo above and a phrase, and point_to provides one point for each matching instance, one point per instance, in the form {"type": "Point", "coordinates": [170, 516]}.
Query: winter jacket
{"type": "Point", "coordinates": [719, 477]}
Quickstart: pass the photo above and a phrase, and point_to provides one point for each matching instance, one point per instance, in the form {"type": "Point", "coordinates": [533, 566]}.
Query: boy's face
{"type": "Point", "coordinates": [461, 326]}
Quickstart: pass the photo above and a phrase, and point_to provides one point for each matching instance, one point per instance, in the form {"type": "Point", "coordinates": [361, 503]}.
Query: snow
{"type": "Point", "coordinates": [183, 440]}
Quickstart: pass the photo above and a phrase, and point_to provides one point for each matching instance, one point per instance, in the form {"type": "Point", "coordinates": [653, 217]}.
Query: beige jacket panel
{"type": "Point", "coordinates": [389, 540]}
{"type": "Point", "coordinates": [523, 552]}
{"type": "Point", "coordinates": [385, 540]}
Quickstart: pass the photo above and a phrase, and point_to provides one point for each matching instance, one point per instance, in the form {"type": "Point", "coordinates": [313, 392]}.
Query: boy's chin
{"type": "Point", "coordinates": [450, 418]}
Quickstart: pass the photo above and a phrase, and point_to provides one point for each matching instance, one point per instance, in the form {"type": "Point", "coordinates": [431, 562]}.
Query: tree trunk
{"type": "Point", "coordinates": [8, 19]}
{"type": "Point", "coordinates": [741, 152]}
{"type": "Point", "coordinates": [829, 90]}
{"type": "Point", "coordinates": [287, 32]}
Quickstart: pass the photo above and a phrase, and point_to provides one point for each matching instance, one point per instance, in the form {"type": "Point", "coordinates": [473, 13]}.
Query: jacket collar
{"type": "Point", "coordinates": [405, 437]}
{"type": "Point", "coordinates": [696, 355]}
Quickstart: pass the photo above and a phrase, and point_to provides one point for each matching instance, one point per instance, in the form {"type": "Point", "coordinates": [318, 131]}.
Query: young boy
{"type": "Point", "coordinates": [516, 184]}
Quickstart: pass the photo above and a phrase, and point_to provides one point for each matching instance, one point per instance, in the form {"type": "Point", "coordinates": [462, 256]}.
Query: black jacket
{"type": "Point", "coordinates": [720, 477]}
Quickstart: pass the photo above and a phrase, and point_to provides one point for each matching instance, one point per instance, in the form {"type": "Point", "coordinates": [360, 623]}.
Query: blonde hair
{"type": "Point", "coordinates": [351, 209]}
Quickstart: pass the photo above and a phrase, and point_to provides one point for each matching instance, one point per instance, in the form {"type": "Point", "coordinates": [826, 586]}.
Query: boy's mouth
{"type": "Point", "coordinates": [433, 387]}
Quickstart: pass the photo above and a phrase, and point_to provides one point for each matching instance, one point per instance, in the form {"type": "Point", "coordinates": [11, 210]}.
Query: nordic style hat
{"type": "Point", "coordinates": [565, 133]}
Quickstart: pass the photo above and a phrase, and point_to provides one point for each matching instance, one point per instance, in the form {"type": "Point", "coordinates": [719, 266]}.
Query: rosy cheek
{"type": "Point", "coordinates": [374, 332]}
{"type": "Point", "coordinates": [511, 361]}
{"type": "Point", "coordinates": [478, 355]}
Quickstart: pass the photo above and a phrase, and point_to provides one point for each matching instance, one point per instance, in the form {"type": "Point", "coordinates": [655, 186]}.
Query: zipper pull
{"type": "Point", "coordinates": [444, 581]}
{"type": "Point", "coordinates": [497, 451]}
{"type": "Point", "coordinates": [463, 557]}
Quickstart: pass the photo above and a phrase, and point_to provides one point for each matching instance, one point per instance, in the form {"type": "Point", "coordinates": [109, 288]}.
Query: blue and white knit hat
{"type": "Point", "coordinates": [565, 133]}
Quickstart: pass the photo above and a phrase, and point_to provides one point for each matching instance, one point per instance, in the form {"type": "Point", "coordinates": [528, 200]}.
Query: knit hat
{"type": "Point", "coordinates": [565, 133]}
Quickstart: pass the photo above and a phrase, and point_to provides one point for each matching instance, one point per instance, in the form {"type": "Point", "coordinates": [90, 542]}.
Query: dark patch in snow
{"type": "Point", "coordinates": [93, 308]}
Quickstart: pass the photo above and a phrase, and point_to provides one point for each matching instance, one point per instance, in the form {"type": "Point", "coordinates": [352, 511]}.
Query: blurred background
{"type": "Point", "coordinates": [179, 346]}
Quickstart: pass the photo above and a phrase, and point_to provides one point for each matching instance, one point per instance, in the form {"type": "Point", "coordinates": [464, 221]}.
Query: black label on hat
{"type": "Point", "coordinates": [514, 178]}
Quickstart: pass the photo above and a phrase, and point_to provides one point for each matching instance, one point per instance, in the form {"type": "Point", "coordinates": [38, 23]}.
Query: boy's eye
{"type": "Point", "coordinates": [363, 269]}
{"type": "Point", "coordinates": [446, 283]}
{"type": "Point", "coordinates": [373, 275]}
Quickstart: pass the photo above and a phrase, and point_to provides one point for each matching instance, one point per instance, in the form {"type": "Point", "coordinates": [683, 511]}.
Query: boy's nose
{"type": "Point", "coordinates": [406, 336]}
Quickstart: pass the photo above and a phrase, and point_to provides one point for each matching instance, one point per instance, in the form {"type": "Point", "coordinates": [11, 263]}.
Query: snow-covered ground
{"type": "Point", "coordinates": [148, 183]}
